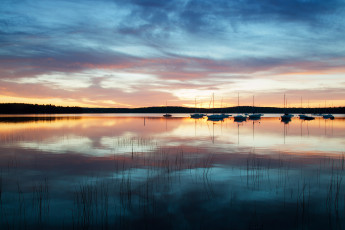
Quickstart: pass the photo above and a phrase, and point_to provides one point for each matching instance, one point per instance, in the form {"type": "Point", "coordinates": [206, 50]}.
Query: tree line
{"type": "Point", "coordinates": [21, 108]}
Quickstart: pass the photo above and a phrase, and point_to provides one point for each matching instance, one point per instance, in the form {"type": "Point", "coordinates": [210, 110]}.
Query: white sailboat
{"type": "Point", "coordinates": [166, 109]}
{"type": "Point", "coordinates": [239, 117]}
{"type": "Point", "coordinates": [304, 116]}
{"type": "Point", "coordinates": [255, 116]}
{"type": "Point", "coordinates": [286, 117]}
{"type": "Point", "coordinates": [197, 115]}
{"type": "Point", "coordinates": [328, 116]}
{"type": "Point", "coordinates": [215, 117]}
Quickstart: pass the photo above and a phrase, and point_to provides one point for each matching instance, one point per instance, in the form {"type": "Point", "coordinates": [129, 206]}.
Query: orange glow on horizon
{"type": "Point", "coordinates": [59, 102]}
{"type": "Point", "coordinates": [206, 104]}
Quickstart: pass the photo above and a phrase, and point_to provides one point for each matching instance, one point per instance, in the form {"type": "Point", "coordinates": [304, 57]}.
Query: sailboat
{"type": "Point", "coordinates": [166, 113]}
{"type": "Point", "coordinates": [286, 118]}
{"type": "Point", "coordinates": [215, 117]}
{"type": "Point", "coordinates": [255, 116]}
{"type": "Point", "coordinates": [224, 115]}
{"type": "Point", "coordinates": [197, 115]}
{"type": "Point", "coordinates": [328, 116]}
{"type": "Point", "coordinates": [303, 116]}
{"type": "Point", "coordinates": [239, 117]}
{"type": "Point", "coordinates": [306, 117]}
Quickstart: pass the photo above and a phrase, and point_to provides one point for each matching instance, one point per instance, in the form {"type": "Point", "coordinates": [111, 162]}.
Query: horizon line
{"type": "Point", "coordinates": [171, 106]}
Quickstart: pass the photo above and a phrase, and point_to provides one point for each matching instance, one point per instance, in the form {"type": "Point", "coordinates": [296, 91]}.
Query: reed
{"type": "Point", "coordinates": [41, 200]}
{"type": "Point", "coordinates": [125, 199]}
{"type": "Point", "coordinates": [84, 201]}
{"type": "Point", "coordinates": [1, 188]}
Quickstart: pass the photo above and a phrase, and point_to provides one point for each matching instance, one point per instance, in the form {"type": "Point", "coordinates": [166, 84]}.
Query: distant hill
{"type": "Point", "coordinates": [21, 108]}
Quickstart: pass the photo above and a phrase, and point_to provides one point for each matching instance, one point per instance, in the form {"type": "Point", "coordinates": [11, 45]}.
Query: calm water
{"type": "Point", "coordinates": [149, 172]}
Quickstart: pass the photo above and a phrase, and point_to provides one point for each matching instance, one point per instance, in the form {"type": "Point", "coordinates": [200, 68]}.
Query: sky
{"type": "Point", "coordinates": [137, 53]}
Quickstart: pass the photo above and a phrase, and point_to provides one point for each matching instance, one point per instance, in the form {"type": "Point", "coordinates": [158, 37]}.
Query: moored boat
{"type": "Point", "coordinates": [328, 116]}
{"type": "Point", "coordinates": [287, 116]}
{"type": "Point", "coordinates": [215, 117]}
{"type": "Point", "coordinates": [255, 116]}
{"type": "Point", "coordinates": [240, 118]}
{"type": "Point", "coordinates": [166, 109]}
{"type": "Point", "coordinates": [197, 115]}
{"type": "Point", "coordinates": [302, 116]}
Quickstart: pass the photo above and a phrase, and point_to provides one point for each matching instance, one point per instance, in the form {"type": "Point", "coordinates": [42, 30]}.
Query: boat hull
{"type": "Point", "coordinates": [240, 118]}
{"type": "Point", "coordinates": [255, 116]}
{"type": "Point", "coordinates": [197, 115]}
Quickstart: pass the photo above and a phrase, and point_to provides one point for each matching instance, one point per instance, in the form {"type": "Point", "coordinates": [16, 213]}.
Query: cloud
{"type": "Point", "coordinates": [125, 49]}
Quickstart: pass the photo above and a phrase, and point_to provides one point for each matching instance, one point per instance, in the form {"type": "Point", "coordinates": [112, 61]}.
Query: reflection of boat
{"type": "Point", "coordinates": [328, 116]}
{"type": "Point", "coordinates": [308, 118]}
{"type": "Point", "coordinates": [286, 120]}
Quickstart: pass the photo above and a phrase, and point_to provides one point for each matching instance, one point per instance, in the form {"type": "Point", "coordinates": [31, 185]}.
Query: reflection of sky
{"type": "Point", "coordinates": [75, 144]}
{"type": "Point", "coordinates": [184, 168]}
{"type": "Point", "coordinates": [123, 135]}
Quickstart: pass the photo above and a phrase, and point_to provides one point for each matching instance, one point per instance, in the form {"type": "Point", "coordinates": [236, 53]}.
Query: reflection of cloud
{"type": "Point", "coordinates": [89, 143]}
{"type": "Point", "coordinates": [71, 144]}
{"type": "Point", "coordinates": [83, 145]}
{"type": "Point", "coordinates": [128, 145]}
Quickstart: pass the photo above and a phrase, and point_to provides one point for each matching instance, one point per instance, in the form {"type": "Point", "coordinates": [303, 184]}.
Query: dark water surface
{"type": "Point", "coordinates": [150, 172]}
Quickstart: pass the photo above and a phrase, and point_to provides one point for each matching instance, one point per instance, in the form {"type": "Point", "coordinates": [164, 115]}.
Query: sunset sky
{"type": "Point", "coordinates": [134, 53]}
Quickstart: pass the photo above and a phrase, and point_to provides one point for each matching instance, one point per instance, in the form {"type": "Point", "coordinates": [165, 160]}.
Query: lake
{"type": "Point", "coordinates": [143, 171]}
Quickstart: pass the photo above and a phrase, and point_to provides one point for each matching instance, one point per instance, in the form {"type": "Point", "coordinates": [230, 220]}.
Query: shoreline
{"type": "Point", "coordinates": [18, 108]}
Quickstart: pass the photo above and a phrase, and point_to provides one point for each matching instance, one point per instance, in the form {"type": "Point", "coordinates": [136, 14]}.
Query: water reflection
{"type": "Point", "coordinates": [100, 172]}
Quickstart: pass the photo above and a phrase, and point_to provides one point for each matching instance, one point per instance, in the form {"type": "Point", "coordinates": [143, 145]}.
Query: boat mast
{"type": "Point", "coordinates": [221, 105]}
{"type": "Point", "coordinates": [253, 104]}
{"type": "Point", "coordinates": [213, 102]}
{"type": "Point", "coordinates": [238, 101]}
